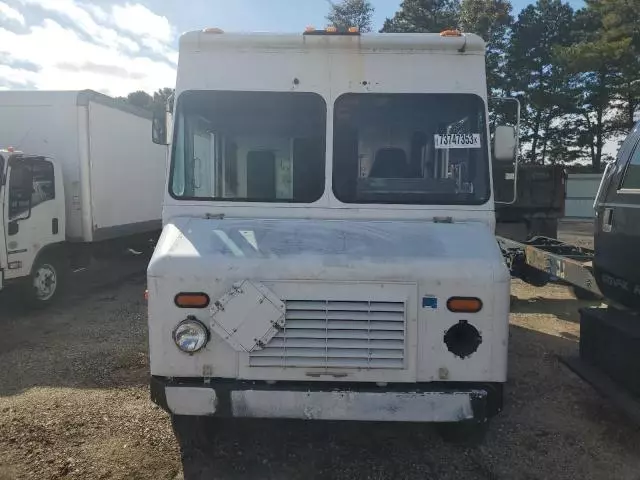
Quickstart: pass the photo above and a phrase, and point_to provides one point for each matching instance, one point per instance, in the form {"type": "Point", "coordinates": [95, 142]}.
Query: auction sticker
{"type": "Point", "coordinates": [457, 140]}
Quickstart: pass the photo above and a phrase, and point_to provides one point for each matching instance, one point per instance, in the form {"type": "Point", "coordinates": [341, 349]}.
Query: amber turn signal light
{"type": "Point", "coordinates": [192, 300]}
{"type": "Point", "coordinates": [464, 304]}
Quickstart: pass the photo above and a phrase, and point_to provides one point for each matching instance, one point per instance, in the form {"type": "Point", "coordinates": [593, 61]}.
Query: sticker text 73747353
{"type": "Point", "coordinates": [457, 140]}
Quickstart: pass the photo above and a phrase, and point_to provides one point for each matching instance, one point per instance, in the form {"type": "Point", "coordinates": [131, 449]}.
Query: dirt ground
{"type": "Point", "coordinates": [74, 404]}
{"type": "Point", "coordinates": [576, 232]}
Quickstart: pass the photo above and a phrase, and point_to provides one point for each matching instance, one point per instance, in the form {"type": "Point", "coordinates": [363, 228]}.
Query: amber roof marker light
{"type": "Point", "coordinates": [451, 33]}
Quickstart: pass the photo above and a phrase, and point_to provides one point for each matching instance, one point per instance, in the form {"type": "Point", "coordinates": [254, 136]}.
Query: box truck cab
{"type": "Point", "coordinates": [328, 249]}
{"type": "Point", "coordinates": [87, 178]}
{"type": "Point", "coordinates": [33, 210]}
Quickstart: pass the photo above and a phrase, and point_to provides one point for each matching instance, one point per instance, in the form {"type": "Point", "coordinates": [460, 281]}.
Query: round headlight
{"type": "Point", "coordinates": [190, 335]}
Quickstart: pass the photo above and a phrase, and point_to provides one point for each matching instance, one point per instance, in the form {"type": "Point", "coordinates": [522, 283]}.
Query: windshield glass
{"type": "Point", "coordinates": [249, 146]}
{"type": "Point", "coordinates": [410, 149]}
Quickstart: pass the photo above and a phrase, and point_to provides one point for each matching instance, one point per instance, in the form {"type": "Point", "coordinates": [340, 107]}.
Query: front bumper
{"type": "Point", "coordinates": [431, 402]}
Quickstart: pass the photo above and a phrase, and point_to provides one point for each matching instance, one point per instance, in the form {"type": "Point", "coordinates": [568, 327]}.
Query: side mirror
{"type": "Point", "coordinates": [159, 128]}
{"type": "Point", "coordinates": [13, 227]}
{"type": "Point", "coordinates": [504, 143]}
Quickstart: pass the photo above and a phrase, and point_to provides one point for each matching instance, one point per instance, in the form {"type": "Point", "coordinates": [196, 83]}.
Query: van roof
{"type": "Point", "coordinates": [215, 39]}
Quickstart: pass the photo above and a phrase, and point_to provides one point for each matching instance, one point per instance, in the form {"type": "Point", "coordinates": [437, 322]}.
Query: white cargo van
{"type": "Point", "coordinates": [86, 174]}
{"type": "Point", "coordinates": [328, 249]}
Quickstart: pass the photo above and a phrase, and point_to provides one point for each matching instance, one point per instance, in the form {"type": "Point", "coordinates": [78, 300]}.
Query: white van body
{"type": "Point", "coordinates": [327, 309]}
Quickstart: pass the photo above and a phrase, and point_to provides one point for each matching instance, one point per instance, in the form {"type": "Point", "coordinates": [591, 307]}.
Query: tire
{"type": "Point", "coordinates": [45, 282]}
{"type": "Point", "coordinates": [465, 434]}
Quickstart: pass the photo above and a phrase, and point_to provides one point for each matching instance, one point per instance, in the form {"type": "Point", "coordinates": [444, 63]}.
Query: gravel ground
{"type": "Point", "coordinates": [74, 404]}
{"type": "Point", "coordinates": [74, 401]}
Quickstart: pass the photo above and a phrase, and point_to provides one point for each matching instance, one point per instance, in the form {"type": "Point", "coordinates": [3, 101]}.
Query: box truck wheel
{"type": "Point", "coordinates": [46, 281]}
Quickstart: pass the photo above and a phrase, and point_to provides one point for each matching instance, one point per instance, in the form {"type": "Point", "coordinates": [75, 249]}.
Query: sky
{"type": "Point", "coordinates": [120, 46]}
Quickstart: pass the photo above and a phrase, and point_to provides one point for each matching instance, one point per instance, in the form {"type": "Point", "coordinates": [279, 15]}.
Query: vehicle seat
{"type": "Point", "coordinates": [390, 163]}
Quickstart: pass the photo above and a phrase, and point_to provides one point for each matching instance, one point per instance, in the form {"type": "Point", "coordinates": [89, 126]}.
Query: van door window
{"type": "Point", "coordinates": [631, 179]}
{"type": "Point", "coordinates": [31, 183]}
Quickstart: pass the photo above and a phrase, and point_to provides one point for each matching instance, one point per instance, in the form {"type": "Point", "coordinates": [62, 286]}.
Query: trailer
{"type": "Point", "coordinates": [541, 260]}
{"type": "Point", "coordinates": [79, 176]}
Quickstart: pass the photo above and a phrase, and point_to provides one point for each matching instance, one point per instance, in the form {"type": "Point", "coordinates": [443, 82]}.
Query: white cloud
{"type": "Point", "coordinates": [139, 20]}
{"type": "Point", "coordinates": [117, 24]}
{"type": "Point", "coordinates": [98, 13]}
{"type": "Point", "coordinates": [81, 18]}
{"type": "Point", "coordinates": [11, 14]}
{"type": "Point", "coordinates": [160, 48]}
{"type": "Point", "coordinates": [16, 76]}
{"type": "Point", "coordinates": [88, 50]}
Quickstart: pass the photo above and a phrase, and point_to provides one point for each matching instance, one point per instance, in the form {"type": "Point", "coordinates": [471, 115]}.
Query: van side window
{"type": "Point", "coordinates": [631, 179]}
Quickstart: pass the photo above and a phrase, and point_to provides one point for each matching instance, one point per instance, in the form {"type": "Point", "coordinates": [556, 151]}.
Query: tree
{"type": "Point", "coordinates": [619, 35]}
{"type": "Point", "coordinates": [155, 103]}
{"type": "Point", "coordinates": [537, 77]}
{"type": "Point", "coordinates": [351, 13]}
{"type": "Point", "coordinates": [592, 66]}
{"type": "Point", "coordinates": [140, 99]}
{"type": "Point", "coordinates": [488, 18]}
{"type": "Point", "coordinates": [491, 19]}
{"type": "Point", "coordinates": [604, 60]}
{"type": "Point", "coordinates": [424, 16]}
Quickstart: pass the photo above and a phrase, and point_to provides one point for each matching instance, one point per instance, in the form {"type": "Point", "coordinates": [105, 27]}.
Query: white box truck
{"type": "Point", "coordinates": [78, 170]}
{"type": "Point", "coordinates": [328, 249]}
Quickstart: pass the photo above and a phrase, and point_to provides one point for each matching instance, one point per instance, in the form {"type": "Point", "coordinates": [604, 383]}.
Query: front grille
{"type": "Point", "coordinates": [347, 334]}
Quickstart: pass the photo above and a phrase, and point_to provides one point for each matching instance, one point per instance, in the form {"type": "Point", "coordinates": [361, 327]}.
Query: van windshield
{"type": "Point", "coordinates": [410, 149]}
{"type": "Point", "coordinates": [249, 146]}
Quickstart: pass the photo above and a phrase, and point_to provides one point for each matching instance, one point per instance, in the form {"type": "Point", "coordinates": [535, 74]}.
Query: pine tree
{"type": "Point", "coordinates": [424, 16]}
